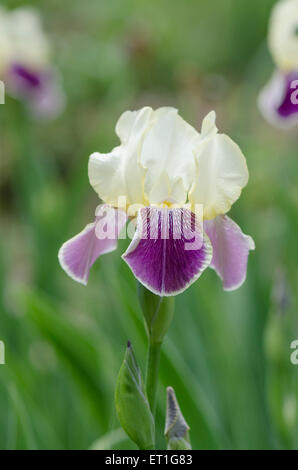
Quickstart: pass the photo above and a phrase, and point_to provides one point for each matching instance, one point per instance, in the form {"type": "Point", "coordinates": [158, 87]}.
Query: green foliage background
{"type": "Point", "coordinates": [227, 354]}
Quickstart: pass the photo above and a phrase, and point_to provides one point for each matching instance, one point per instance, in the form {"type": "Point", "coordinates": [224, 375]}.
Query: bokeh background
{"type": "Point", "coordinates": [227, 354]}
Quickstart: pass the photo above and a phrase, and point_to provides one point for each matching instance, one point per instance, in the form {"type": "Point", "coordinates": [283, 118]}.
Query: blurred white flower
{"type": "Point", "coordinates": [283, 35]}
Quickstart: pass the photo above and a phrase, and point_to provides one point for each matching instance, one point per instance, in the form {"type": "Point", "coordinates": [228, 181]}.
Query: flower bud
{"type": "Point", "coordinates": [132, 405]}
{"type": "Point", "coordinates": [177, 429]}
{"type": "Point", "coordinates": [158, 313]}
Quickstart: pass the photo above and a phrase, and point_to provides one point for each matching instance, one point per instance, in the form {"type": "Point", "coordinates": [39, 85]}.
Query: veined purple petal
{"type": "Point", "coordinates": [169, 250]}
{"type": "Point", "coordinates": [78, 254]}
{"type": "Point", "coordinates": [278, 100]}
{"type": "Point", "coordinates": [230, 250]}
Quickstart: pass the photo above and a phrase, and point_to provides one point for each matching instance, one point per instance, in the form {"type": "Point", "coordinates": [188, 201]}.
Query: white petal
{"type": "Point", "coordinates": [168, 149]}
{"type": "Point", "coordinates": [165, 190]}
{"type": "Point", "coordinates": [128, 120]}
{"type": "Point", "coordinates": [209, 128]}
{"type": "Point", "coordinates": [105, 175]}
{"type": "Point", "coordinates": [119, 173]}
{"type": "Point", "coordinates": [283, 38]}
{"type": "Point", "coordinates": [221, 175]}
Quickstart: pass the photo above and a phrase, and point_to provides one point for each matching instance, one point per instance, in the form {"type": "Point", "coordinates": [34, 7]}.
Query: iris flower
{"type": "Point", "coordinates": [278, 101]}
{"type": "Point", "coordinates": [164, 170]}
{"type": "Point", "coordinates": [25, 66]}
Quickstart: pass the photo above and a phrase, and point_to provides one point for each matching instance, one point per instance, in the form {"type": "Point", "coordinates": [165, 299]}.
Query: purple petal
{"type": "Point", "coordinates": [78, 254]}
{"type": "Point", "coordinates": [169, 250]}
{"type": "Point", "coordinates": [24, 79]}
{"type": "Point", "coordinates": [278, 101]}
{"type": "Point", "coordinates": [230, 250]}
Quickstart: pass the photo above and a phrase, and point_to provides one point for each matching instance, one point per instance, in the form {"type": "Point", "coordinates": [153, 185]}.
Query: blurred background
{"type": "Point", "coordinates": [227, 354]}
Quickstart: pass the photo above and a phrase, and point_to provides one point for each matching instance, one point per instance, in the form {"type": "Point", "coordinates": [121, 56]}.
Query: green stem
{"type": "Point", "coordinates": [152, 373]}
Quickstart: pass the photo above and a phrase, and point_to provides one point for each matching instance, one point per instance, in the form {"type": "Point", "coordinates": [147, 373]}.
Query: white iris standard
{"type": "Point", "coordinates": [162, 159]}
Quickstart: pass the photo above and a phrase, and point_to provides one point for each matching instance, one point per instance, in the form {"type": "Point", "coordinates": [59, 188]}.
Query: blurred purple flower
{"type": "Point", "coordinates": [41, 91]}
{"type": "Point", "coordinates": [25, 64]}
{"type": "Point", "coordinates": [278, 101]}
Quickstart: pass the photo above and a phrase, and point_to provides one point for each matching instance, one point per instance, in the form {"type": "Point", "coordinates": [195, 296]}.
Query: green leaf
{"type": "Point", "coordinates": [110, 440]}
{"type": "Point", "coordinates": [74, 346]}
{"type": "Point", "coordinates": [132, 404]}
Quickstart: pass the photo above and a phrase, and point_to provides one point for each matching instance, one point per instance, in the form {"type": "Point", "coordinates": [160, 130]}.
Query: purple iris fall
{"type": "Point", "coordinates": [175, 185]}
{"type": "Point", "coordinates": [278, 101]}
{"type": "Point", "coordinates": [25, 65]}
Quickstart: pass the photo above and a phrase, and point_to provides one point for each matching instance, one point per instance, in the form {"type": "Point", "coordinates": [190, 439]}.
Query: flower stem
{"type": "Point", "coordinates": [152, 373]}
